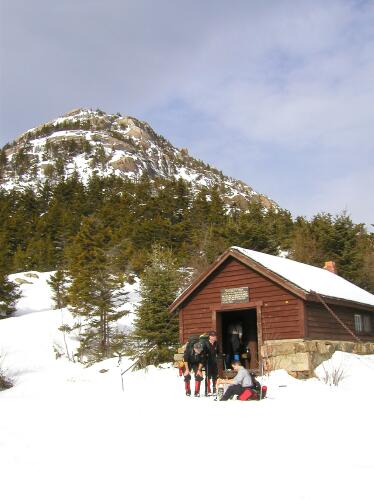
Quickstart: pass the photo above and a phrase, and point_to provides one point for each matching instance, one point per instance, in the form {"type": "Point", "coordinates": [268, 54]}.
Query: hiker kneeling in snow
{"type": "Point", "coordinates": [240, 383]}
{"type": "Point", "coordinates": [194, 360]}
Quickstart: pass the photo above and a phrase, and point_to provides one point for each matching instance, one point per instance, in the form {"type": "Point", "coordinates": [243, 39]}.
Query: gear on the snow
{"type": "Point", "coordinates": [220, 392]}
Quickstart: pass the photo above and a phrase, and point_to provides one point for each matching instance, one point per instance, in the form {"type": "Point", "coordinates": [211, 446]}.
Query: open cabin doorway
{"type": "Point", "coordinates": [247, 318]}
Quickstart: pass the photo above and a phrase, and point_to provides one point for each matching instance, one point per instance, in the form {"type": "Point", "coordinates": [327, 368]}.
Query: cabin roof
{"type": "Point", "coordinates": [301, 279]}
{"type": "Point", "coordinates": [310, 278]}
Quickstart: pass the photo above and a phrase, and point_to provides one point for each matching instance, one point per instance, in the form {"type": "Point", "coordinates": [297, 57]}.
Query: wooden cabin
{"type": "Point", "coordinates": [293, 315]}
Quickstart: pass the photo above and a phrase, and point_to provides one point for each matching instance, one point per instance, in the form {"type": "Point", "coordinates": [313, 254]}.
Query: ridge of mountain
{"type": "Point", "coordinates": [87, 142]}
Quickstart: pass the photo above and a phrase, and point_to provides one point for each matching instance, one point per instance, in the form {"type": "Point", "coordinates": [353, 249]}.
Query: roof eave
{"type": "Point", "coordinates": [246, 261]}
{"type": "Point", "coordinates": [192, 287]}
{"type": "Point", "coordinates": [314, 297]}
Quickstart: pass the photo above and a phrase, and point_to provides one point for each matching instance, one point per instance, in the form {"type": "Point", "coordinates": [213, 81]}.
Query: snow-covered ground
{"type": "Point", "coordinates": [67, 431]}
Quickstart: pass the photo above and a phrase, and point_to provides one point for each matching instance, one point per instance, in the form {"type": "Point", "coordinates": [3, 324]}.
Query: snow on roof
{"type": "Point", "coordinates": [310, 278]}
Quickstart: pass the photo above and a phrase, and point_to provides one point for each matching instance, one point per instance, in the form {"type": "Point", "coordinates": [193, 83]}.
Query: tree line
{"type": "Point", "coordinates": [39, 226]}
{"type": "Point", "coordinates": [101, 234]}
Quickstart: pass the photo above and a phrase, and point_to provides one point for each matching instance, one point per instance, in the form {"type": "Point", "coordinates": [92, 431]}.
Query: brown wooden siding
{"type": "Point", "coordinates": [282, 316]}
{"type": "Point", "coordinates": [322, 325]}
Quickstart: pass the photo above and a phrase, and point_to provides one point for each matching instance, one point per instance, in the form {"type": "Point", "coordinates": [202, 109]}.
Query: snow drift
{"type": "Point", "coordinates": [67, 431]}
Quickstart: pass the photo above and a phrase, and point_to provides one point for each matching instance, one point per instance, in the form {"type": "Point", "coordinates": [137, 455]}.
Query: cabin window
{"type": "Point", "coordinates": [358, 323]}
{"type": "Point", "coordinates": [367, 323]}
{"type": "Point", "coordinates": [362, 323]}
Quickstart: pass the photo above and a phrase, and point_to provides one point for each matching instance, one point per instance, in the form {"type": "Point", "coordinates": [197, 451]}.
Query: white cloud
{"type": "Point", "coordinates": [285, 89]}
{"type": "Point", "coordinates": [300, 86]}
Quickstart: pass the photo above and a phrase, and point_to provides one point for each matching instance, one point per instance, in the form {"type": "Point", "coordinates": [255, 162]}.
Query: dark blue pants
{"type": "Point", "coordinates": [233, 390]}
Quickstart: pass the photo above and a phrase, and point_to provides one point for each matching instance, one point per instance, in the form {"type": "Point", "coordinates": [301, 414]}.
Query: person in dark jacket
{"type": "Point", "coordinates": [212, 363]}
{"type": "Point", "coordinates": [236, 335]}
{"type": "Point", "coordinates": [194, 360]}
{"type": "Point", "coordinates": [234, 344]}
{"type": "Point", "coordinates": [242, 381]}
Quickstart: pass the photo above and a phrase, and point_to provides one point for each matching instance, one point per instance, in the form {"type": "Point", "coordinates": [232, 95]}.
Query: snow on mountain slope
{"type": "Point", "coordinates": [36, 294]}
{"type": "Point", "coordinates": [86, 141]}
{"type": "Point", "coordinates": [31, 340]}
{"type": "Point", "coordinates": [67, 431]}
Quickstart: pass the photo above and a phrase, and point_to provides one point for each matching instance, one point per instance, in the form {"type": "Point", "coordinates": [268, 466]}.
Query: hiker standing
{"type": "Point", "coordinates": [235, 331]}
{"type": "Point", "coordinates": [212, 363]}
{"type": "Point", "coordinates": [242, 381]}
{"type": "Point", "coordinates": [194, 360]}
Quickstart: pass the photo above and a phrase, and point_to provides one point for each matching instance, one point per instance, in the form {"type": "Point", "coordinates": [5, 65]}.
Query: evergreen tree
{"type": "Point", "coordinates": [366, 278]}
{"type": "Point", "coordinates": [338, 239]}
{"type": "Point", "coordinates": [216, 214]}
{"type": "Point", "coordinates": [20, 260]}
{"type": "Point", "coordinates": [60, 168]}
{"type": "Point", "coordinates": [345, 248]}
{"type": "Point", "coordinates": [155, 335]}
{"type": "Point", "coordinates": [59, 284]}
{"type": "Point", "coordinates": [3, 163]}
{"type": "Point", "coordinates": [304, 244]}
{"type": "Point", "coordinates": [197, 224]}
{"type": "Point", "coordinates": [9, 292]}
{"type": "Point", "coordinates": [3, 158]}
{"type": "Point", "coordinates": [96, 294]}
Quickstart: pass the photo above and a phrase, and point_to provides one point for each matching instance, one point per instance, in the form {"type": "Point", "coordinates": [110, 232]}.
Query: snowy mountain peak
{"type": "Point", "coordinates": [87, 141]}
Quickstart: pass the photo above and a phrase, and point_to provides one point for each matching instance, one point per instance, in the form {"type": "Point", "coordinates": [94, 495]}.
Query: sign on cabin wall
{"type": "Point", "coordinates": [234, 295]}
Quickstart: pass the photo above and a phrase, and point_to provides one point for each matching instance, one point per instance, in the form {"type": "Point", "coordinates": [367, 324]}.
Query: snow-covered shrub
{"type": "Point", "coordinates": [5, 381]}
{"type": "Point", "coordinates": [92, 349]}
{"type": "Point", "coordinates": [271, 364]}
{"type": "Point", "coordinates": [331, 374]}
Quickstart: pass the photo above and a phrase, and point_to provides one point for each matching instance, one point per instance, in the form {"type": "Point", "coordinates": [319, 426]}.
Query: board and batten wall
{"type": "Point", "coordinates": [321, 325]}
{"type": "Point", "coordinates": [282, 312]}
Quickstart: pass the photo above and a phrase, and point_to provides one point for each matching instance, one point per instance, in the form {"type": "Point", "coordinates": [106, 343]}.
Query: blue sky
{"type": "Point", "coordinates": [278, 93]}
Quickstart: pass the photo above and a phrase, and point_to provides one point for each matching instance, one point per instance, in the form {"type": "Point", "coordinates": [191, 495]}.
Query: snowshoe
{"type": "Point", "coordinates": [220, 392]}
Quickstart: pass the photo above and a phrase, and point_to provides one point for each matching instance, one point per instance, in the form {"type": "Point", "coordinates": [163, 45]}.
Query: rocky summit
{"type": "Point", "coordinates": [90, 142]}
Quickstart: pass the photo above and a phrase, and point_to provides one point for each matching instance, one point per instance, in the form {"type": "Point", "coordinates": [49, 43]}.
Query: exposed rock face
{"type": "Point", "coordinates": [86, 141]}
{"type": "Point", "coordinates": [125, 164]}
{"type": "Point", "coordinates": [21, 281]}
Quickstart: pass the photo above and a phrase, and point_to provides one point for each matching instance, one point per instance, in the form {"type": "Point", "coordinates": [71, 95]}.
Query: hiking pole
{"type": "Point", "coordinates": [134, 364]}
{"type": "Point", "coordinates": [127, 369]}
{"type": "Point", "coordinates": [206, 379]}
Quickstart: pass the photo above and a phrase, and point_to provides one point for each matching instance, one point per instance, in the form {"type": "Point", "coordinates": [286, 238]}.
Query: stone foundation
{"type": "Point", "coordinates": [300, 357]}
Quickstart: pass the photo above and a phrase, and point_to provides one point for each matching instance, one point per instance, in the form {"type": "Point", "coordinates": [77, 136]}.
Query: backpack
{"type": "Point", "coordinates": [258, 390]}
{"type": "Point", "coordinates": [194, 339]}
{"type": "Point", "coordinates": [256, 383]}
{"type": "Point", "coordinates": [253, 393]}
